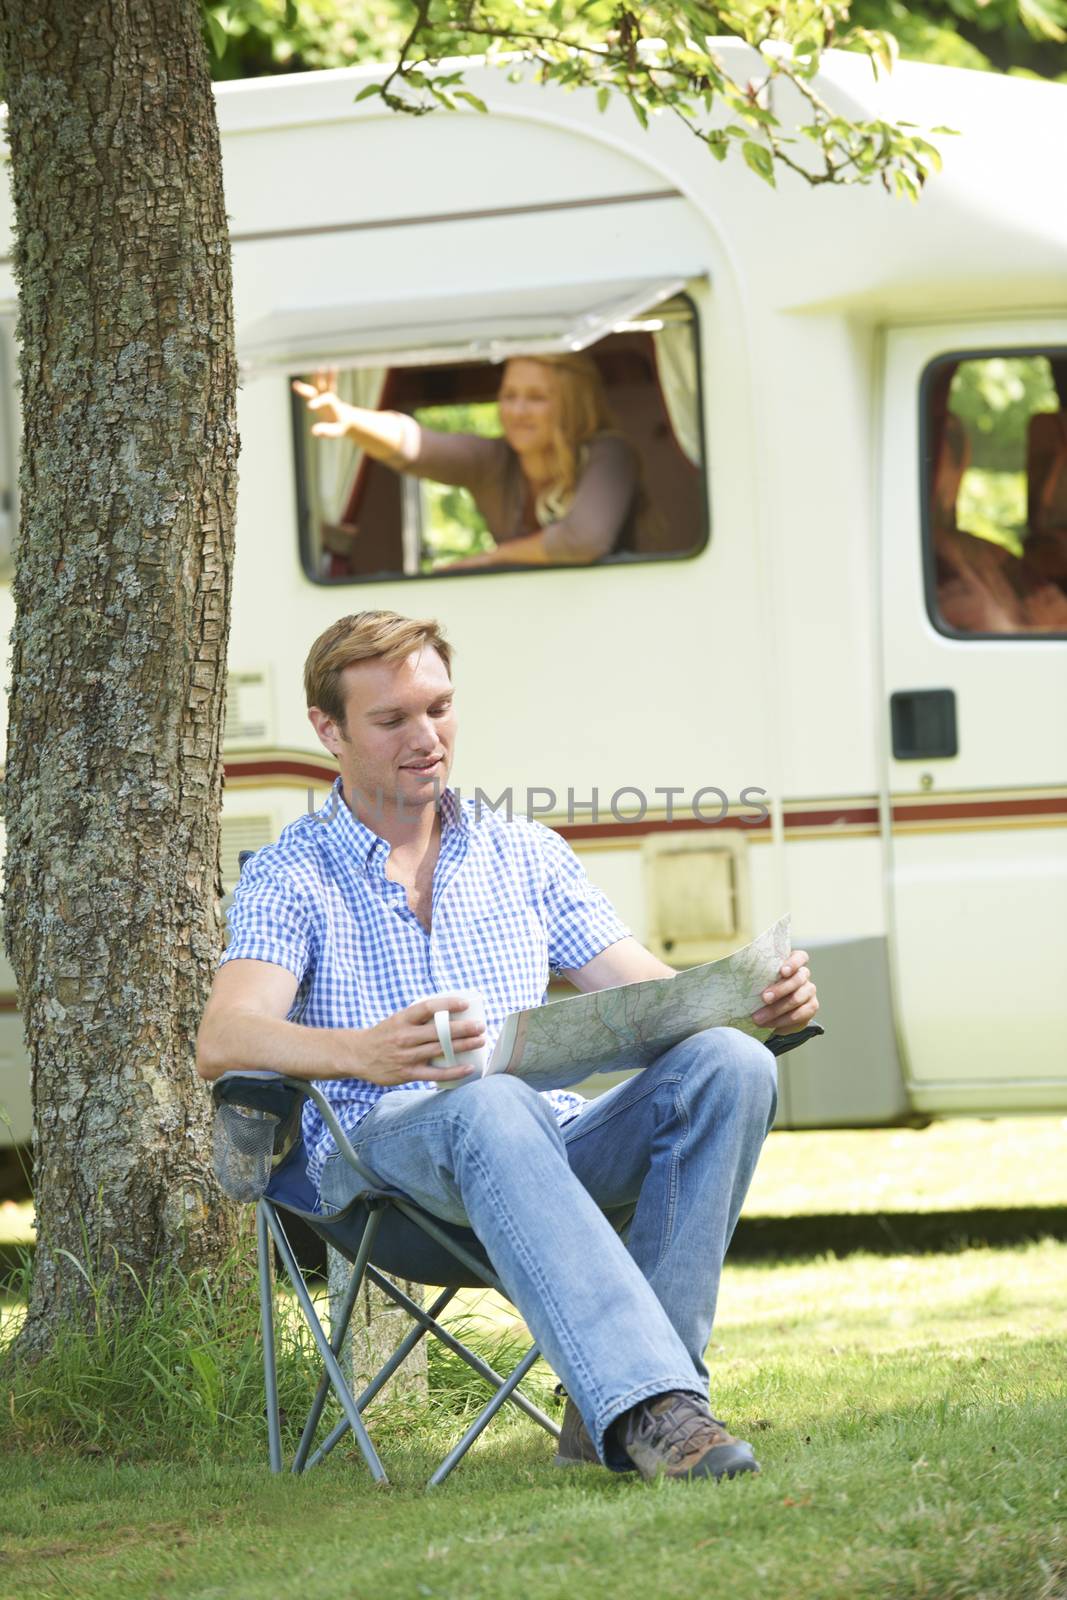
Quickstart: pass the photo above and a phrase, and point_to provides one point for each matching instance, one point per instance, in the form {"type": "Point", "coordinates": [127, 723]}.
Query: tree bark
{"type": "Point", "coordinates": [122, 590]}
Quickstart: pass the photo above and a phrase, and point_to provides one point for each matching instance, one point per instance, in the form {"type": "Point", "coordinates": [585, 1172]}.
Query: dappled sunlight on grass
{"type": "Point", "coordinates": [892, 1302]}
{"type": "Point", "coordinates": [12, 1312]}
{"type": "Point", "coordinates": [16, 1221]}
{"type": "Point", "coordinates": [949, 1166]}
{"type": "Point", "coordinates": [907, 1411]}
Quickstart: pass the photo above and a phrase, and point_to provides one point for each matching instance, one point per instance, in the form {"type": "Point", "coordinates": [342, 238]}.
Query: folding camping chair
{"type": "Point", "coordinates": [380, 1232]}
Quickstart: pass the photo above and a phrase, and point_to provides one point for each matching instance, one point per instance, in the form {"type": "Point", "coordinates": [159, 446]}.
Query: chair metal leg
{"type": "Point", "coordinates": [266, 1320]}
{"type": "Point", "coordinates": [484, 1418]}
{"type": "Point", "coordinates": [270, 1228]}
{"type": "Point", "coordinates": [337, 1338]}
{"type": "Point", "coordinates": [337, 1378]}
{"type": "Point", "coordinates": [482, 1368]}
{"type": "Point", "coordinates": [398, 1357]}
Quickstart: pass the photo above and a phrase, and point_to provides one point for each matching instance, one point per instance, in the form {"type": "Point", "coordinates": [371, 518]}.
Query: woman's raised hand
{"type": "Point", "coordinates": [332, 414]}
{"type": "Point", "coordinates": [384, 435]}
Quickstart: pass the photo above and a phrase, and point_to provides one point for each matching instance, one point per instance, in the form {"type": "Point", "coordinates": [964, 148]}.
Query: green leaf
{"type": "Point", "coordinates": [759, 158]}
{"type": "Point", "coordinates": [1045, 19]}
{"type": "Point", "coordinates": [472, 100]}
{"type": "Point", "coordinates": [929, 152]}
{"type": "Point", "coordinates": [603, 98]}
{"type": "Point", "coordinates": [365, 94]}
{"type": "Point", "coordinates": [217, 34]}
{"type": "Point", "coordinates": [639, 111]}
{"type": "Point", "coordinates": [291, 16]}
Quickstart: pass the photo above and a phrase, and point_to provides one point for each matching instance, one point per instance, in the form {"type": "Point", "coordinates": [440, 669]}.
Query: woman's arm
{"type": "Point", "coordinates": [602, 502]}
{"type": "Point", "coordinates": [528, 550]}
{"type": "Point", "coordinates": [398, 441]}
{"type": "Point", "coordinates": [385, 435]}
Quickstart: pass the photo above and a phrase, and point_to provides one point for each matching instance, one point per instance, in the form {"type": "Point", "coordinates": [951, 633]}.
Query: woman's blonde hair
{"type": "Point", "coordinates": [582, 412]}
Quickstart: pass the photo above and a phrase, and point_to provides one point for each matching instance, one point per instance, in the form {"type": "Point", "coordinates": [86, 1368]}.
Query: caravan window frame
{"type": "Point", "coordinates": [624, 559]}
{"type": "Point", "coordinates": [926, 484]}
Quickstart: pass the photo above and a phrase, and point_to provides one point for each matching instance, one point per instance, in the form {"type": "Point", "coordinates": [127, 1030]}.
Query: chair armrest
{"type": "Point", "coordinates": [283, 1096]}
{"type": "Point", "coordinates": [313, 1093]}
{"type": "Point", "coordinates": [780, 1043]}
{"type": "Point", "coordinates": [259, 1091]}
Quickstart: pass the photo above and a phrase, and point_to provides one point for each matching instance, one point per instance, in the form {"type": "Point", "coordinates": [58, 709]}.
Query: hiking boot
{"type": "Point", "coordinates": [676, 1436]}
{"type": "Point", "coordinates": [575, 1448]}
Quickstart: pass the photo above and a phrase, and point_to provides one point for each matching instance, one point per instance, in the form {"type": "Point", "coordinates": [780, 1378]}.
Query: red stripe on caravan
{"type": "Point", "coordinates": [949, 810]}
{"type": "Point", "coordinates": [635, 829]}
{"type": "Point", "coordinates": [316, 772]}
{"type": "Point", "coordinates": [841, 816]}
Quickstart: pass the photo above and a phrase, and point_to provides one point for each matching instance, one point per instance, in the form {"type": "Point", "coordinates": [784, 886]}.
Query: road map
{"type": "Point", "coordinates": [623, 1029]}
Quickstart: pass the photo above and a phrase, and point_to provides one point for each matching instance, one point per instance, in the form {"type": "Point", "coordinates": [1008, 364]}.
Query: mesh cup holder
{"type": "Point", "coordinates": [242, 1148]}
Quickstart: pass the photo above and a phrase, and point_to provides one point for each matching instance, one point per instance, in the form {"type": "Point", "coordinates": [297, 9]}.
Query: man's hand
{"type": "Point", "coordinates": [790, 1005]}
{"type": "Point", "coordinates": [400, 1048]}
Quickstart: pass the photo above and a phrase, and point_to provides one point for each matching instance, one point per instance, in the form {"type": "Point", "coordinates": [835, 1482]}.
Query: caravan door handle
{"type": "Point", "coordinates": [923, 723]}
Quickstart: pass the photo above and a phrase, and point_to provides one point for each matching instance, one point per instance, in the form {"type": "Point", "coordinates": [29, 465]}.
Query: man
{"type": "Point", "coordinates": [396, 890]}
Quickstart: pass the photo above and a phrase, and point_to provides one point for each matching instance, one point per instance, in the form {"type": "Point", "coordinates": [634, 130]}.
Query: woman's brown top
{"type": "Point", "coordinates": [599, 518]}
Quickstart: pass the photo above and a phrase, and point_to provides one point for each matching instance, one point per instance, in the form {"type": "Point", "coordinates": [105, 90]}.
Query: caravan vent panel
{"type": "Point", "coordinates": [693, 896]}
{"type": "Point", "coordinates": [242, 833]}
{"type": "Point", "coordinates": [248, 711]}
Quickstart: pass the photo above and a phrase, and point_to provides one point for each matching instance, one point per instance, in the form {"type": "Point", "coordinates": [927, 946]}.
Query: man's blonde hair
{"type": "Point", "coordinates": [366, 636]}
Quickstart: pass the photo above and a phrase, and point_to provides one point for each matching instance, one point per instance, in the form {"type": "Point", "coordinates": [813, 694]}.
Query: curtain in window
{"type": "Point", "coordinates": [676, 365]}
{"type": "Point", "coordinates": [336, 461]}
{"type": "Point", "coordinates": [333, 465]}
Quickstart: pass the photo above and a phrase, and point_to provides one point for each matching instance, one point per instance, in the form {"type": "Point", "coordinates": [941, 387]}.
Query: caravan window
{"type": "Point", "coordinates": [637, 490]}
{"type": "Point", "coordinates": [995, 495]}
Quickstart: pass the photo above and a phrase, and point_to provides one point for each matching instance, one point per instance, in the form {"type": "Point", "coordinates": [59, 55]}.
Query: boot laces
{"type": "Point", "coordinates": [677, 1426]}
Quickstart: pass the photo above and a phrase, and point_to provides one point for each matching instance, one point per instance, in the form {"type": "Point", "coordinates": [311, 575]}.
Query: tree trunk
{"type": "Point", "coordinates": [122, 591]}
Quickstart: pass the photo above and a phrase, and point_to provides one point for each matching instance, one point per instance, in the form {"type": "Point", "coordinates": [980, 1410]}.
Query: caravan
{"type": "Point", "coordinates": [828, 675]}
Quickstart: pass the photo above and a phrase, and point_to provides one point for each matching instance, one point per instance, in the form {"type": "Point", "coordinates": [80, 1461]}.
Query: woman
{"type": "Point", "coordinates": [560, 485]}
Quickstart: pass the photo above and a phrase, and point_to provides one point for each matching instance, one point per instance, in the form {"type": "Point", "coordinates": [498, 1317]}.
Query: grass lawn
{"type": "Point", "coordinates": [909, 1412]}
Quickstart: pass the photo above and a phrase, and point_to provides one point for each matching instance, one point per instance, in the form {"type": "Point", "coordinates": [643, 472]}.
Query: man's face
{"type": "Point", "coordinates": [399, 730]}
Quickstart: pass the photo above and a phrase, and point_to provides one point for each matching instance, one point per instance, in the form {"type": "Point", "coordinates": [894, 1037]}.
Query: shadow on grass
{"type": "Point", "coordinates": [893, 1233]}
{"type": "Point", "coordinates": [884, 1233]}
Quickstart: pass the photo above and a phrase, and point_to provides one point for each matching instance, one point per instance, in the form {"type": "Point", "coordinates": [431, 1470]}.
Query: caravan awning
{"type": "Point", "coordinates": [450, 328]}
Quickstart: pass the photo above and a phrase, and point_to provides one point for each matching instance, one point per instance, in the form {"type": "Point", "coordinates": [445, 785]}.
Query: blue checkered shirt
{"type": "Point", "coordinates": [510, 904]}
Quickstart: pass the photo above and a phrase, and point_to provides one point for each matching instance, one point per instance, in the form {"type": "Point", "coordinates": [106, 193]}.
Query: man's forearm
{"type": "Point", "coordinates": [236, 1039]}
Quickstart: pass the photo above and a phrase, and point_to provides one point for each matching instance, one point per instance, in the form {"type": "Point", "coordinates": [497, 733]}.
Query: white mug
{"type": "Point", "coordinates": [474, 1011]}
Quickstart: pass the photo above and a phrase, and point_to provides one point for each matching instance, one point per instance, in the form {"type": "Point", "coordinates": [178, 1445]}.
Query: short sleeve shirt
{"type": "Point", "coordinates": [511, 904]}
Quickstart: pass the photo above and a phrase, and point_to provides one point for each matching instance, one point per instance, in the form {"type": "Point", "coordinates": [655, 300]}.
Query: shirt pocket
{"type": "Point", "coordinates": [507, 952]}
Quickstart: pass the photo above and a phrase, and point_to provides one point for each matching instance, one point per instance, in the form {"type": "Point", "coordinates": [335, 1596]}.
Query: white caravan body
{"type": "Point", "coordinates": [929, 886]}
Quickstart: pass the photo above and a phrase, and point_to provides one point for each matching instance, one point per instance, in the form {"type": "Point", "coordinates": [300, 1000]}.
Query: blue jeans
{"type": "Point", "coordinates": [680, 1141]}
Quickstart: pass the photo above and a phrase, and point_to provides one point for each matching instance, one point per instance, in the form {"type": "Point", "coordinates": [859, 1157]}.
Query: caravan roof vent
{"type": "Point", "coordinates": [488, 326]}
